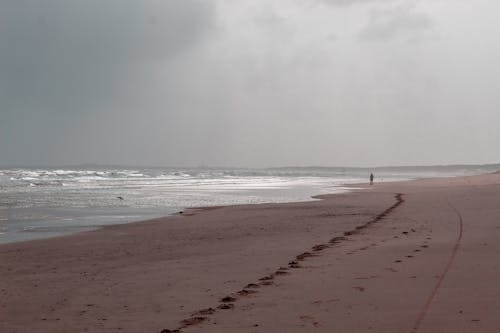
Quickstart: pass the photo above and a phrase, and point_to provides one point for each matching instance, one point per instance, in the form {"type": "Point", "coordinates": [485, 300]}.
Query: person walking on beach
{"type": "Point", "coordinates": [371, 178]}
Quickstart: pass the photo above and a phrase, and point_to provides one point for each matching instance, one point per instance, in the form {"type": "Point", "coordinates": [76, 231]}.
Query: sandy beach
{"type": "Point", "coordinates": [418, 256]}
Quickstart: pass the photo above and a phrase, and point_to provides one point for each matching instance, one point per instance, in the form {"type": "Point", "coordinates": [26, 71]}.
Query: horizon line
{"type": "Point", "coordinates": [109, 165]}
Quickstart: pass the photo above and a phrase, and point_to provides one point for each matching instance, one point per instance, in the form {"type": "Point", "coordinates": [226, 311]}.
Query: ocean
{"type": "Point", "coordinates": [46, 202]}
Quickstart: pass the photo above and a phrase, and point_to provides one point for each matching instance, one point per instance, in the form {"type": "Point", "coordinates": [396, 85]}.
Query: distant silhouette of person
{"type": "Point", "coordinates": [371, 179]}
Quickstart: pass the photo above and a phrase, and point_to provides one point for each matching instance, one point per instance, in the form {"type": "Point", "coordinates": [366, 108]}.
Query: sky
{"type": "Point", "coordinates": [249, 83]}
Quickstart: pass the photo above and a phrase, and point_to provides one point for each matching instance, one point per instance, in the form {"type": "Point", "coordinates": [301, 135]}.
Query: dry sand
{"type": "Point", "coordinates": [367, 261]}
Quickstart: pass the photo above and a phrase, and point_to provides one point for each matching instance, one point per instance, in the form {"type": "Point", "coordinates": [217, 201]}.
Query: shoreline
{"type": "Point", "coordinates": [342, 188]}
{"type": "Point", "coordinates": [63, 231]}
{"type": "Point", "coordinates": [280, 263]}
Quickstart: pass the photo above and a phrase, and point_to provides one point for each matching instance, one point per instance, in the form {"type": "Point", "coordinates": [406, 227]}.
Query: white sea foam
{"type": "Point", "coordinates": [91, 196]}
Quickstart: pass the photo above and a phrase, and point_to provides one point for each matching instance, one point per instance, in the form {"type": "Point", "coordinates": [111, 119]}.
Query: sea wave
{"type": "Point", "coordinates": [168, 187]}
{"type": "Point", "coordinates": [73, 198]}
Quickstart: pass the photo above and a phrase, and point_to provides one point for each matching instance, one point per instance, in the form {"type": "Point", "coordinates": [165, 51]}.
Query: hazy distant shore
{"type": "Point", "coordinates": [344, 263]}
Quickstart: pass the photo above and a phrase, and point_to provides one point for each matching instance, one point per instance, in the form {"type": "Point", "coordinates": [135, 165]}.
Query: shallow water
{"type": "Point", "coordinates": [40, 203]}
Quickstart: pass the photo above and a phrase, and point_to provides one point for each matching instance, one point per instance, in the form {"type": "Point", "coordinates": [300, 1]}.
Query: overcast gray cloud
{"type": "Point", "coordinates": [60, 55]}
{"type": "Point", "coordinates": [256, 83]}
{"type": "Point", "coordinates": [67, 66]}
{"type": "Point", "coordinates": [353, 2]}
{"type": "Point", "coordinates": [401, 21]}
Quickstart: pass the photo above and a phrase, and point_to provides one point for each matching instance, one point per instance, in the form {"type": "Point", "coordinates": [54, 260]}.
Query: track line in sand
{"type": "Point", "coordinates": [227, 303]}
{"type": "Point", "coordinates": [435, 290]}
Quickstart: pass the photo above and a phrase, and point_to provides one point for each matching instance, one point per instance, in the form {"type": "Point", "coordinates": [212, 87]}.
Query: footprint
{"type": "Point", "coordinates": [252, 285]}
{"type": "Point", "coordinates": [304, 255]}
{"type": "Point", "coordinates": [245, 292]}
{"type": "Point", "coordinates": [266, 278]}
{"type": "Point", "coordinates": [228, 299]}
{"type": "Point", "coordinates": [319, 247]}
{"type": "Point", "coordinates": [337, 239]}
{"type": "Point", "coordinates": [311, 320]}
{"type": "Point", "coordinates": [226, 306]}
{"type": "Point", "coordinates": [205, 312]}
{"type": "Point", "coordinates": [193, 321]}
{"type": "Point", "coordinates": [366, 277]}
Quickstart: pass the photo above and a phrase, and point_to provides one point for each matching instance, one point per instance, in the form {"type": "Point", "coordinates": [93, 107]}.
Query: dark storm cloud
{"type": "Point", "coordinates": [65, 56]}
{"type": "Point", "coordinates": [76, 75]}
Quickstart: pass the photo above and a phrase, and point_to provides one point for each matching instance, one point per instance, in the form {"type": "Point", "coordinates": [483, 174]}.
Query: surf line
{"type": "Point", "coordinates": [454, 252]}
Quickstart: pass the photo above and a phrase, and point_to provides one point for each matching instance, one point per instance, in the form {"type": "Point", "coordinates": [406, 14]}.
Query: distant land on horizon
{"type": "Point", "coordinates": [489, 166]}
